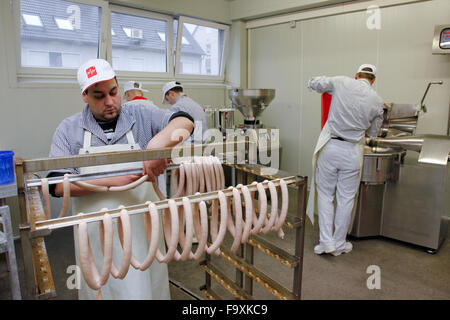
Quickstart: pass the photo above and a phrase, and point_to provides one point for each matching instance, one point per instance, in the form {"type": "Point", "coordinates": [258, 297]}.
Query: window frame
{"type": "Point", "coordinates": [203, 23]}
{"type": "Point", "coordinates": [56, 73]}
{"type": "Point", "coordinates": [140, 75]}
{"type": "Point", "coordinates": [64, 77]}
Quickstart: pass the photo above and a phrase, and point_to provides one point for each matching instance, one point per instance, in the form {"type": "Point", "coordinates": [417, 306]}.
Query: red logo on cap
{"type": "Point", "coordinates": [91, 71]}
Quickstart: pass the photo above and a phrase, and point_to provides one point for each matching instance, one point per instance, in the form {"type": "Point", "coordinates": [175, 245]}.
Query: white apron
{"type": "Point", "coordinates": [151, 284]}
{"type": "Point", "coordinates": [324, 137]}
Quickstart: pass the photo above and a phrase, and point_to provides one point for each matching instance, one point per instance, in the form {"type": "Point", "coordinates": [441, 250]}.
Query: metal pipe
{"type": "Point", "coordinates": [409, 143]}
{"type": "Point", "coordinates": [422, 106]}
{"type": "Point", "coordinates": [410, 128]}
{"type": "Point", "coordinates": [86, 160]}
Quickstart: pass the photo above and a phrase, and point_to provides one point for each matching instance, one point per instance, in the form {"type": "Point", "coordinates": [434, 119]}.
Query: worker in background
{"type": "Point", "coordinates": [133, 91]}
{"type": "Point", "coordinates": [355, 109]}
{"type": "Point", "coordinates": [133, 94]}
{"type": "Point", "coordinates": [173, 94]}
{"type": "Point", "coordinates": [104, 125]}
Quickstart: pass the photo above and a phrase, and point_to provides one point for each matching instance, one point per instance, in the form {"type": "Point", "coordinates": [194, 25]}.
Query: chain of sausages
{"type": "Point", "coordinates": [180, 224]}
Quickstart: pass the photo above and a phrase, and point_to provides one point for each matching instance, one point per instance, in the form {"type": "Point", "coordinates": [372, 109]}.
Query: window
{"type": "Point", "coordinates": [32, 20]}
{"type": "Point", "coordinates": [55, 59]}
{"type": "Point", "coordinates": [56, 36]}
{"type": "Point", "coordinates": [64, 24]}
{"type": "Point", "coordinates": [202, 48]}
{"type": "Point", "coordinates": [68, 33]}
{"type": "Point", "coordinates": [141, 43]}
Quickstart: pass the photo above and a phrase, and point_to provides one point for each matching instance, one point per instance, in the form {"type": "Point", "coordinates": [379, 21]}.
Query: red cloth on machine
{"type": "Point", "coordinates": [326, 101]}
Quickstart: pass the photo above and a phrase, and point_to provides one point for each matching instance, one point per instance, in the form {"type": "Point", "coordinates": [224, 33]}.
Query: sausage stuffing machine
{"type": "Point", "coordinates": [35, 226]}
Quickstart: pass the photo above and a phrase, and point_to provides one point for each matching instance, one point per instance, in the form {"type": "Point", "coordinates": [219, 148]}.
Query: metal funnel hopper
{"type": "Point", "coordinates": [251, 102]}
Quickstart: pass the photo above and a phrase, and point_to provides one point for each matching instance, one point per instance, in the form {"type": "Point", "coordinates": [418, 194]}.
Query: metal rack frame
{"type": "Point", "coordinates": [34, 226]}
{"type": "Point", "coordinates": [243, 260]}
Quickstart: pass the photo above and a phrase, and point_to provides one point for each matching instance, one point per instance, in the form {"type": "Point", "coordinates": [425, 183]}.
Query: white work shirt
{"type": "Point", "coordinates": [355, 106]}
{"type": "Point", "coordinates": [191, 107]}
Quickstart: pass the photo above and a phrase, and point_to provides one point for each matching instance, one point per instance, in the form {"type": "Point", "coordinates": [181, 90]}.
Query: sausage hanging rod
{"type": "Point", "coordinates": [91, 176]}
{"type": "Point", "coordinates": [46, 226]}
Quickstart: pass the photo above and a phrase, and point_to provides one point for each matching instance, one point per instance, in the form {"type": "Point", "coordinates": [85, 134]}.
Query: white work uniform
{"type": "Point", "coordinates": [191, 107]}
{"type": "Point", "coordinates": [355, 108]}
{"type": "Point", "coordinates": [151, 284]}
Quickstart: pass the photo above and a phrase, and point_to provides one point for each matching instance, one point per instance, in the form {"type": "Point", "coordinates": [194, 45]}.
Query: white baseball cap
{"type": "Point", "coordinates": [133, 85]}
{"type": "Point", "coordinates": [167, 87]}
{"type": "Point", "coordinates": [371, 66]}
{"type": "Point", "coordinates": [94, 71]}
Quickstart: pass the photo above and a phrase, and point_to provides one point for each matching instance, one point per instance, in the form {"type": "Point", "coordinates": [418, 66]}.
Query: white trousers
{"type": "Point", "coordinates": [337, 175]}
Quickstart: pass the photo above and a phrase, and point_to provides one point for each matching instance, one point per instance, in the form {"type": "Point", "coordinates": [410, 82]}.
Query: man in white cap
{"type": "Point", "coordinates": [132, 90]}
{"type": "Point", "coordinates": [105, 125]}
{"type": "Point", "coordinates": [355, 109]}
{"type": "Point", "coordinates": [173, 94]}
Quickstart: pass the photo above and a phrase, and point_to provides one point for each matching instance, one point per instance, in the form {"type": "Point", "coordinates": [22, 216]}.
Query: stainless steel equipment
{"type": "Point", "coordinates": [433, 149]}
{"type": "Point", "coordinates": [380, 165]}
{"type": "Point", "coordinates": [251, 103]}
{"type": "Point", "coordinates": [210, 114]}
{"type": "Point", "coordinates": [220, 118]}
{"type": "Point", "coordinates": [416, 206]}
{"type": "Point", "coordinates": [225, 119]}
{"type": "Point", "coordinates": [403, 201]}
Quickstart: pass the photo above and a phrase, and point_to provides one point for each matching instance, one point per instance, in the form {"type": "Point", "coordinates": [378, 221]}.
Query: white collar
{"type": "Point", "coordinates": [367, 81]}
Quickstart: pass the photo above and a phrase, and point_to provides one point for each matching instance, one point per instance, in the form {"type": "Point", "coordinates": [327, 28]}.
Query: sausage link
{"type": "Point", "coordinates": [186, 241]}
{"type": "Point", "coordinates": [170, 232]}
{"type": "Point", "coordinates": [93, 279]}
{"type": "Point", "coordinates": [223, 225]}
{"type": "Point", "coordinates": [106, 239]}
{"type": "Point", "coordinates": [248, 212]}
{"type": "Point", "coordinates": [124, 231]}
{"type": "Point", "coordinates": [90, 187]}
{"type": "Point", "coordinates": [206, 175]}
{"type": "Point", "coordinates": [230, 224]}
{"type": "Point", "coordinates": [129, 186]}
{"type": "Point", "coordinates": [181, 182]}
{"type": "Point", "coordinates": [274, 207]}
{"type": "Point", "coordinates": [189, 177]}
{"type": "Point", "coordinates": [152, 235]}
{"type": "Point", "coordinates": [201, 230]}
{"type": "Point", "coordinates": [284, 208]}
{"type": "Point", "coordinates": [262, 200]}
{"type": "Point", "coordinates": [238, 220]}
{"type": "Point", "coordinates": [46, 198]}
{"type": "Point", "coordinates": [66, 197]}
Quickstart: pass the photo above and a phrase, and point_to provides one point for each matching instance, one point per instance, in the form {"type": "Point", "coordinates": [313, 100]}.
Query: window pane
{"type": "Point", "coordinates": [201, 50]}
{"type": "Point", "coordinates": [58, 34]}
{"type": "Point", "coordinates": [138, 43]}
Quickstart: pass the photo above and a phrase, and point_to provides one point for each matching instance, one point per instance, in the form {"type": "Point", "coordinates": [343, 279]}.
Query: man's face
{"type": "Point", "coordinates": [171, 96]}
{"type": "Point", "coordinates": [104, 100]}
